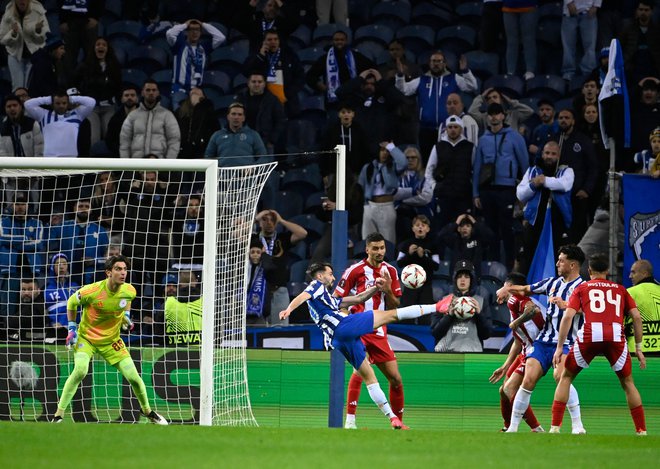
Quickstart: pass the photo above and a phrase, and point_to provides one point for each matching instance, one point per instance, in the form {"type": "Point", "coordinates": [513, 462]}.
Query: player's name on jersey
{"type": "Point", "coordinates": [191, 338]}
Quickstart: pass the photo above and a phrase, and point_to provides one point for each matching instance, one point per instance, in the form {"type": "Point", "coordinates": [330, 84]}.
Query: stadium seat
{"type": "Point", "coordinates": [288, 204]}
{"type": "Point", "coordinates": [459, 38]}
{"type": "Point", "coordinates": [391, 252]}
{"type": "Point", "coordinates": [394, 14]}
{"type": "Point", "coordinates": [511, 85]}
{"type": "Point", "coordinates": [313, 202]}
{"type": "Point", "coordinates": [443, 271]}
{"type": "Point", "coordinates": [218, 80]}
{"type": "Point", "coordinates": [372, 50]}
{"type": "Point", "coordinates": [312, 108]}
{"type": "Point", "coordinates": [469, 13]}
{"type": "Point", "coordinates": [301, 135]}
{"type": "Point", "coordinates": [416, 38]}
{"type": "Point", "coordinates": [239, 83]}
{"type": "Point", "coordinates": [112, 8]}
{"type": "Point", "coordinates": [322, 34]}
{"type": "Point", "coordinates": [550, 87]}
{"type": "Point", "coordinates": [221, 27]}
{"type": "Point", "coordinates": [147, 58]}
{"type": "Point", "coordinates": [300, 38]}
{"type": "Point", "coordinates": [298, 271]}
{"type": "Point", "coordinates": [164, 80]}
{"type": "Point", "coordinates": [493, 270]}
{"type": "Point", "coordinates": [310, 55]}
{"type": "Point", "coordinates": [124, 28]}
{"type": "Point", "coordinates": [298, 251]}
{"type": "Point", "coordinates": [315, 227]}
{"type": "Point", "coordinates": [575, 85]}
{"type": "Point", "coordinates": [305, 180]}
{"type": "Point", "coordinates": [374, 33]}
{"type": "Point", "coordinates": [296, 288]}
{"type": "Point", "coordinates": [439, 289]}
{"type": "Point", "coordinates": [122, 45]}
{"type": "Point", "coordinates": [483, 64]}
{"type": "Point", "coordinates": [220, 102]}
{"type": "Point", "coordinates": [485, 294]}
{"type": "Point", "coordinates": [500, 315]}
{"type": "Point", "coordinates": [134, 77]}
{"type": "Point", "coordinates": [228, 59]}
{"type": "Point", "coordinates": [432, 15]}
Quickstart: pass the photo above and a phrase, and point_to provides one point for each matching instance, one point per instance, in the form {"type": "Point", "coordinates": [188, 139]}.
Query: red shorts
{"type": "Point", "coordinates": [518, 366]}
{"type": "Point", "coordinates": [582, 353]}
{"type": "Point", "coordinates": [378, 347]}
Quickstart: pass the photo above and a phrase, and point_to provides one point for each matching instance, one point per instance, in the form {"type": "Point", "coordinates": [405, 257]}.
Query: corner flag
{"type": "Point", "coordinates": [613, 86]}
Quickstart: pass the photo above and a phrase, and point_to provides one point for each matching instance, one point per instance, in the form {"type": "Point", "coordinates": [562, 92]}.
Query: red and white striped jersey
{"type": "Point", "coordinates": [358, 277]}
{"type": "Point", "coordinates": [604, 304]}
{"type": "Point", "coordinates": [529, 330]}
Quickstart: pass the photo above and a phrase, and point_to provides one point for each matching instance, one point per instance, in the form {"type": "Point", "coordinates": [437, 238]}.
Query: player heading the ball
{"type": "Point", "coordinates": [106, 309]}
{"type": "Point", "coordinates": [342, 331]}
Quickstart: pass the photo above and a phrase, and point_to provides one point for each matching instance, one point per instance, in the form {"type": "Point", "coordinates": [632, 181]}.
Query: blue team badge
{"type": "Point", "coordinates": [123, 303]}
{"type": "Point", "coordinates": [577, 147]}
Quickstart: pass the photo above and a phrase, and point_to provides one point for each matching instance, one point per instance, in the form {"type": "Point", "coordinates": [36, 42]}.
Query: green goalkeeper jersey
{"type": "Point", "coordinates": [103, 310]}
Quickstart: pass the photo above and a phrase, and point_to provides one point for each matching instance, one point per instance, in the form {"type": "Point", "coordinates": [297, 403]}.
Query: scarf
{"type": "Point", "coordinates": [256, 293]}
{"type": "Point", "coordinates": [332, 72]}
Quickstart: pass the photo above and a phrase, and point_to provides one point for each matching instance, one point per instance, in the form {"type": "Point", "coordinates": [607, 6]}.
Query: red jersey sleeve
{"type": "Point", "coordinates": [575, 301]}
{"type": "Point", "coordinates": [396, 284]}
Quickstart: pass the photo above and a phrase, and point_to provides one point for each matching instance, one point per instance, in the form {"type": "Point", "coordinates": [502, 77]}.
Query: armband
{"type": "Point", "coordinates": [638, 345]}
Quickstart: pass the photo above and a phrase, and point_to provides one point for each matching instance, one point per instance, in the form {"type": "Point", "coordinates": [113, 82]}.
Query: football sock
{"type": "Point", "coordinates": [396, 400]}
{"type": "Point", "coordinates": [80, 367]}
{"type": "Point", "coordinates": [558, 409]}
{"type": "Point", "coordinates": [530, 418]}
{"type": "Point", "coordinates": [573, 406]}
{"type": "Point", "coordinates": [505, 408]}
{"type": "Point", "coordinates": [353, 395]}
{"type": "Point", "coordinates": [414, 311]}
{"type": "Point", "coordinates": [638, 418]}
{"type": "Point", "coordinates": [378, 396]}
{"type": "Point", "coordinates": [520, 405]}
{"type": "Point", "coordinates": [127, 368]}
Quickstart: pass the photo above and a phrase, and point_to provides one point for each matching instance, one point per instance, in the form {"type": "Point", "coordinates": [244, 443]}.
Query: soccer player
{"type": "Point", "coordinates": [603, 304]}
{"type": "Point", "coordinates": [357, 279]}
{"type": "Point", "coordinates": [106, 308]}
{"type": "Point", "coordinates": [343, 332]}
{"type": "Point", "coordinates": [538, 362]}
{"type": "Point", "coordinates": [526, 323]}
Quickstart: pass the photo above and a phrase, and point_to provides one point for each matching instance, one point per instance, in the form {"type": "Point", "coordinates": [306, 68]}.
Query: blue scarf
{"type": "Point", "coordinates": [332, 72]}
{"type": "Point", "coordinates": [272, 62]}
{"type": "Point", "coordinates": [257, 294]}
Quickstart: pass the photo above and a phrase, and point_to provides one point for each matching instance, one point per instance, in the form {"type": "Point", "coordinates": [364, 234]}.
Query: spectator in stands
{"type": "Point", "coordinates": [516, 113]}
{"type": "Point", "coordinates": [610, 24]}
{"type": "Point", "coordinates": [579, 15]}
{"type": "Point", "coordinates": [589, 125]}
{"type": "Point", "coordinates": [197, 122]}
{"type": "Point", "coordinates": [450, 171]}
{"type": "Point", "coordinates": [544, 131]}
{"type": "Point", "coordinates": [501, 154]}
{"type": "Point", "coordinates": [276, 247]}
{"type": "Point", "coordinates": [264, 113]}
{"type": "Point", "coordinates": [520, 18]}
{"type": "Point", "coordinates": [379, 180]}
{"type": "Point", "coordinates": [60, 126]}
{"type": "Point", "coordinates": [339, 11]}
{"type": "Point", "coordinates": [258, 306]}
{"type": "Point", "coordinates": [640, 44]}
{"type": "Point", "coordinates": [99, 76]}
{"type": "Point", "coordinates": [183, 312]}
{"type": "Point", "coordinates": [375, 101]}
{"type": "Point", "coordinates": [19, 135]}
{"type": "Point", "coordinates": [79, 21]}
{"type": "Point", "coordinates": [190, 54]}
{"type": "Point", "coordinates": [491, 29]}
{"type": "Point", "coordinates": [237, 144]}
{"type": "Point", "coordinates": [455, 107]}
{"type": "Point", "coordinates": [546, 182]}
{"type": "Point", "coordinates": [150, 129]}
{"type": "Point", "coordinates": [23, 32]}
{"type": "Point", "coordinates": [649, 160]}
{"type": "Point", "coordinates": [107, 206]}
{"type": "Point", "coordinates": [82, 240]}
{"type": "Point", "coordinates": [422, 250]}
{"type": "Point", "coordinates": [432, 90]}
{"type": "Point", "coordinates": [470, 333]}
{"type": "Point", "coordinates": [405, 116]}
{"type": "Point", "coordinates": [588, 95]}
{"type": "Point", "coordinates": [345, 131]}
{"type": "Point", "coordinates": [129, 103]}
{"type": "Point", "coordinates": [577, 152]}
{"type": "Point", "coordinates": [335, 68]}
{"type": "Point", "coordinates": [285, 76]}
{"type": "Point", "coordinates": [414, 196]}
{"type": "Point", "coordinates": [59, 287]}
{"type": "Point", "coordinates": [188, 234]}
{"type": "Point", "coordinates": [645, 112]}
{"type": "Point", "coordinates": [49, 72]}
{"type": "Point", "coordinates": [22, 94]}
{"type": "Point", "coordinates": [467, 239]}
{"type": "Point", "coordinates": [254, 20]}
{"type": "Point", "coordinates": [31, 314]}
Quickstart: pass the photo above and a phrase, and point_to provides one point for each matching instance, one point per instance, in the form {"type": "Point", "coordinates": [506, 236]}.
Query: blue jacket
{"type": "Point", "coordinates": [56, 296]}
{"type": "Point", "coordinates": [245, 144]}
{"type": "Point", "coordinates": [18, 237]}
{"type": "Point", "coordinates": [88, 241]}
{"type": "Point", "coordinates": [432, 98]}
{"type": "Point", "coordinates": [560, 185]}
{"type": "Point", "coordinates": [507, 150]}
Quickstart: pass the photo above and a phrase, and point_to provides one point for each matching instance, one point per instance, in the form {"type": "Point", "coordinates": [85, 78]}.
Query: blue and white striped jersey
{"type": "Point", "coordinates": [556, 286]}
{"type": "Point", "coordinates": [324, 309]}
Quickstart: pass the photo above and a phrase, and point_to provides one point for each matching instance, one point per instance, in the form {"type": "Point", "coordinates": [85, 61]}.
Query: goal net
{"type": "Point", "coordinates": [185, 226]}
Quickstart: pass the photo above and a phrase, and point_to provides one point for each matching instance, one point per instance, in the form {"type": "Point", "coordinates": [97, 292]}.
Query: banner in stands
{"type": "Point", "coordinates": [641, 217]}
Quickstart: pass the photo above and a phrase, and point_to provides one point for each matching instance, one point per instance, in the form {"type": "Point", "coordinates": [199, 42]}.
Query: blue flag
{"type": "Point", "coordinates": [543, 263]}
{"type": "Point", "coordinates": [614, 85]}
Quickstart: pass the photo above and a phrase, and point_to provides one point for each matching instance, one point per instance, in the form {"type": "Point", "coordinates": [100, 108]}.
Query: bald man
{"type": "Point", "coordinates": [646, 293]}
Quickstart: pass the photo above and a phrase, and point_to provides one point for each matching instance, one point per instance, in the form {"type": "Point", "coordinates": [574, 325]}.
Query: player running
{"type": "Point", "coordinates": [343, 332]}
{"type": "Point", "coordinates": [106, 309]}
{"type": "Point", "coordinates": [603, 304]}
{"type": "Point", "coordinates": [539, 359]}
{"type": "Point", "coordinates": [356, 279]}
{"type": "Point", "coordinates": [526, 324]}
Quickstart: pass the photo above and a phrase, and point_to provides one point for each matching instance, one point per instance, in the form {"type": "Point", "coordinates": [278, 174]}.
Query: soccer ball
{"type": "Point", "coordinates": [463, 308]}
{"type": "Point", "coordinates": [413, 276]}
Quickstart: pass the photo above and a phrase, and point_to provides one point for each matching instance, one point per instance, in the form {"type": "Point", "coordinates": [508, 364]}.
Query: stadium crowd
{"type": "Point", "coordinates": [454, 145]}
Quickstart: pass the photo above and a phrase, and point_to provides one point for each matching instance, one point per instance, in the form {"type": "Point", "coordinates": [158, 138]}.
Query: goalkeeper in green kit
{"type": "Point", "coordinates": [106, 309]}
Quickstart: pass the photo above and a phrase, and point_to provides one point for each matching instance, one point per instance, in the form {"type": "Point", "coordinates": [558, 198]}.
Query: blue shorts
{"type": "Point", "coordinates": [543, 353]}
{"type": "Point", "coordinates": [347, 335]}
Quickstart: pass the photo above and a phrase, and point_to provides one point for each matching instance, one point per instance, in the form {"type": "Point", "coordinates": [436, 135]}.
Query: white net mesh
{"type": "Point", "coordinates": [59, 226]}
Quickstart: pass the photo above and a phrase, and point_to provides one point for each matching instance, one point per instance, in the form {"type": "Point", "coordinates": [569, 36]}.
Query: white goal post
{"type": "Point", "coordinates": [192, 376]}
